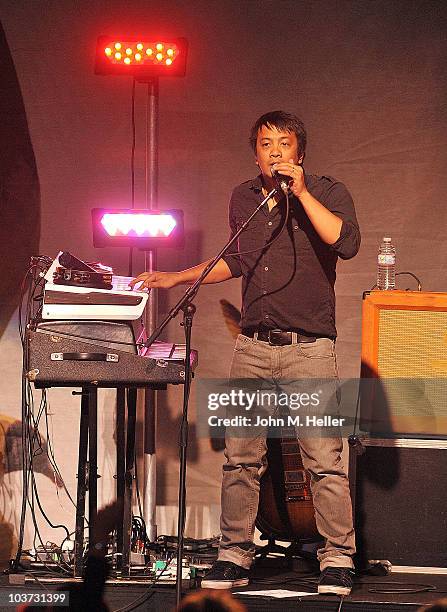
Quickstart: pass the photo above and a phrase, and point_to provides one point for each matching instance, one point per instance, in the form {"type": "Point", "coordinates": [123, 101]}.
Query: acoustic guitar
{"type": "Point", "coordinates": [286, 510]}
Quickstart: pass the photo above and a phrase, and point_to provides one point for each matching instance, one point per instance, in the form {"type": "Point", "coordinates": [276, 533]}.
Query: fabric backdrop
{"type": "Point", "coordinates": [369, 80]}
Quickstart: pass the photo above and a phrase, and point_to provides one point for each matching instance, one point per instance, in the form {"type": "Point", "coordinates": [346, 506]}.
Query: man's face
{"type": "Point", "coordinates": [274, 146]}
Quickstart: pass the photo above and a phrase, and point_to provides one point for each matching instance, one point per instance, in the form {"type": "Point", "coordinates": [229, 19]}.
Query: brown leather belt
{"type": "Point", "coordinates": [278, 337]}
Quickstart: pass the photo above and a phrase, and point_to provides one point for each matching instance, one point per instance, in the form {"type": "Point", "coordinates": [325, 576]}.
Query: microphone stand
{"type": "Point", "coordinates": [185, 304]}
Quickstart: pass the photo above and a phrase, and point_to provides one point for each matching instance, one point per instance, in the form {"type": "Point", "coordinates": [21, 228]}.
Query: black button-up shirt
{"type": "Point", "coordinates": [290, 284]}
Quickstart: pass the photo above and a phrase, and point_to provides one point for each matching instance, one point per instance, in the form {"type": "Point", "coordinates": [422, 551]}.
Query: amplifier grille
{"type": "Point", "coordinates": [404, 349]}
{"type": "Point", "coordinates": [412, 343]}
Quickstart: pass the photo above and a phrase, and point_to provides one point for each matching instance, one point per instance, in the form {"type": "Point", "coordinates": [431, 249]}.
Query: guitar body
{"type": "Point", "coordinates": [286, 510]}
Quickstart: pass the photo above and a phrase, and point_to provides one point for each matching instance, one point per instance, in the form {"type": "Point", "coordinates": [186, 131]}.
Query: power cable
{"type": "Point", "coordinates": [132, 169]}
{"type": "Point", "coordinates": [146, 596]}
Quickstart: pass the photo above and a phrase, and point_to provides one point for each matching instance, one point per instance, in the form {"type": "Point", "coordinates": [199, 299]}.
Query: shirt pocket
{"type": "Point", "coordinates": [253, 236]}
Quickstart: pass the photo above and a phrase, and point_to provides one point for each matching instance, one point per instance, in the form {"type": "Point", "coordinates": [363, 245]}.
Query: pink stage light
{"type": "Point", "coordinates": [125, 224]}
{"type": "Point", "coordinates": [145, 229]}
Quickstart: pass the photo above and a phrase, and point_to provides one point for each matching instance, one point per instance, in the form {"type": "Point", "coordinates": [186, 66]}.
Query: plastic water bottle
{"type": "Point", "coordinates": [386, 265]}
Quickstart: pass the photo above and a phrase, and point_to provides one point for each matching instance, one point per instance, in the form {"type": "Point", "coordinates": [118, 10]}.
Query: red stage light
{"type": "Point", "coordinates": [141, 228]}
{"type": "Point", "coordinates": [143, 58]}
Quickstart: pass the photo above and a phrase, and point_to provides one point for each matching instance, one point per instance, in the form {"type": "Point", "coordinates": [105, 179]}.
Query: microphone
{"type": "Point", "coordinates": [281, 180]}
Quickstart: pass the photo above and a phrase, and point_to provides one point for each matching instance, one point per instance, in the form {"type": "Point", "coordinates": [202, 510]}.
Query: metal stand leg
{"type": "Point", "coordinates": [188, 311]}
{"type": "Point", "coordinates": [130, 469]}
{"type": "Point", "coordinates": [82, 483]}
{"type": "Point", "coordinates": [150, 464]}
{"type": "Point", "coordinates": [120, 465]}
{"type": "Point", "coordinates": [93, 460]}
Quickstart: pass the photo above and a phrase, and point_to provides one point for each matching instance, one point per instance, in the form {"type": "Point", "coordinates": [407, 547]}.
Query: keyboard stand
{"type": "Point", "coordinates": [56, 349]}
{"type": "Point", "coordinates": [128, 479]}
{"type": "Point", "coordinates": [88, 472]}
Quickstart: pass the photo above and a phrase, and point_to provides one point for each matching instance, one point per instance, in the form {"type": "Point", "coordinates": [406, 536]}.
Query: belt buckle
{"type": "Point", "coordinates": [271, 336]}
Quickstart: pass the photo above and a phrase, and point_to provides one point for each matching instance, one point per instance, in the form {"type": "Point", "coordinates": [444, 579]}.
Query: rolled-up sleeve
{"type": "Point", "coordinates": [339, 201]}
{"type": "Point", "coordinates": [233, 261]}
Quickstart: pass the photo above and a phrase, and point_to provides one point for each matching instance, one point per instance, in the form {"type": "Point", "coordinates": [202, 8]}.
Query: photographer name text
{"type": "Point", "coordinates": [276, 421]}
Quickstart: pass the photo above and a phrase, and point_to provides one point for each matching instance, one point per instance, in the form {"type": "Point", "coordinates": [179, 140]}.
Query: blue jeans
{"type": "Point", "coordinates": [277, 367]}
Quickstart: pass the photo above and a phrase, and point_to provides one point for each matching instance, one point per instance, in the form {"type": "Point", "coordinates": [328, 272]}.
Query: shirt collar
{"type": "Point", "coordinates": [256, 183]}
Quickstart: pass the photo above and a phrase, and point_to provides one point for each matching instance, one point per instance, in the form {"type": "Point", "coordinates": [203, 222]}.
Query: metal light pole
{"type": "Point", "coordinates": [146, 59]}
{"type": "Point", "coordinates": [150, 264]}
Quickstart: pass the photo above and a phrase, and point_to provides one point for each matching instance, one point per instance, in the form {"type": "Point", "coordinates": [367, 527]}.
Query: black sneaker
{"type": "Point", "coordinates": [335, 580]}
{"type": "Point", "coordinates": [225, 575]}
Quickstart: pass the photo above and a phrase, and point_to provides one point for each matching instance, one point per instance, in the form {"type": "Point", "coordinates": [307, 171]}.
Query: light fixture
{"type": "Point", "coordinates": [144, 58]}
{"type": "Point", "coordinates": [140, 228]}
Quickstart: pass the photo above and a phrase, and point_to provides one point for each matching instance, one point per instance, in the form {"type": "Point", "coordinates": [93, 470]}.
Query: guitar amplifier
{"type": "Point", "coordinates": [404, 364]}
{"type": "Point", "coordinates": [398, 491]}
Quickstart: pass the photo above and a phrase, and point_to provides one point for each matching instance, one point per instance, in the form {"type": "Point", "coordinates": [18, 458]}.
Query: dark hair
{"type": "Point", "coordinates": [438, 606]}
{"type": "Point", "coordinates": [210, 600]}
{"type": "Point", "coordinates": [281, 121]}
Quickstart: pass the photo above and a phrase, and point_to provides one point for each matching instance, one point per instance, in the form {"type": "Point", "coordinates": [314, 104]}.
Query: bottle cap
{"type": "Point", "coordinates": [387, 240]}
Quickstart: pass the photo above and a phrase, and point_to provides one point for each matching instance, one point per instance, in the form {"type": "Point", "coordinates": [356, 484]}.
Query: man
{"type": "Point", "coordinates": [288, 334]}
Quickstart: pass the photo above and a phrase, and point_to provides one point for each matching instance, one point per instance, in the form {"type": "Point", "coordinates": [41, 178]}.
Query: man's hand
{"type": "Point", "coordinates": [159, 280]}
{"type": "Point", "coordinates": [327, 225]}
{"type": "Point", "coordinates": [166, 280]}
{"type": "Point", "coordinates": [296, 173]}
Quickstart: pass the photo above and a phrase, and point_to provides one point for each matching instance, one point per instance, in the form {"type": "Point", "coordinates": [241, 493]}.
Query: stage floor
{"type": "Point", "coordinates": [414, 590]}
{"type": "Point", "coordinates": [370, 593]}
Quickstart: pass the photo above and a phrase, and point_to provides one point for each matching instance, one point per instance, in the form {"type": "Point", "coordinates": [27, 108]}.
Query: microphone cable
{"type": "Point", "coordinates": [270, 242]}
